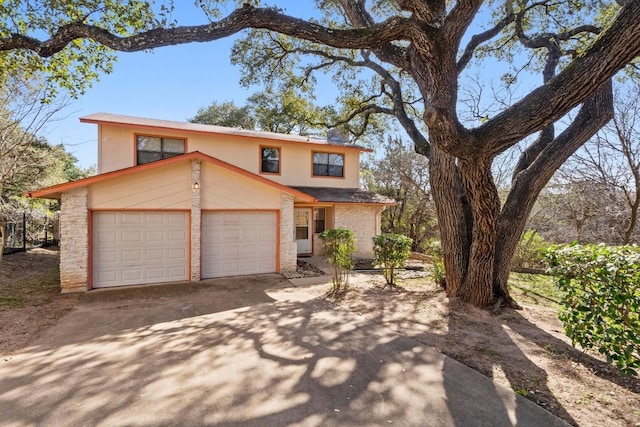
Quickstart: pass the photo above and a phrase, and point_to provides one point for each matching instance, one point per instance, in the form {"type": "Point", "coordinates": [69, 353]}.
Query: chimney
{"type": "Point", "coordinates": [339, 135]}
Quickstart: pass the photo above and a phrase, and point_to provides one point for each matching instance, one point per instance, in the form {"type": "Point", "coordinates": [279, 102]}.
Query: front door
{"type": "Point", "coordinates": [303, 230]}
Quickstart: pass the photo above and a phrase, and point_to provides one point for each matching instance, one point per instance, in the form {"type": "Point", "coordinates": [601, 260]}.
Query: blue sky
{"type": "Point", "coordinates": [172, 83]}
{"type": "Point", "coordinates": [169, 83]}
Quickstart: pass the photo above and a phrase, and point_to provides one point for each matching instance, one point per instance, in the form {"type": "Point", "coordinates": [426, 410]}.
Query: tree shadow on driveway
{"type": "Point", "coordinates": [283, 363]}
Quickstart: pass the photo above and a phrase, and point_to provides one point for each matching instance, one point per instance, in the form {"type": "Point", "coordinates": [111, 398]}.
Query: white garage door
{"type": "Point", "coordinates": [238, 243]}
{"type": "Point", "coordinates": [132, 248]}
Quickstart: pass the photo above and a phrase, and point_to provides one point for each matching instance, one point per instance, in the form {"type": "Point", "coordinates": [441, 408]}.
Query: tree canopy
{"type": "Point", "coordinates": [415, 56]}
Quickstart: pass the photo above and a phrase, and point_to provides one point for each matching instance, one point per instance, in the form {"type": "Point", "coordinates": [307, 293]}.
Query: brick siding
{"type": "Point", "coordinates": [364, 221]}
{"type": "Point", "coordinates": [74, 241]}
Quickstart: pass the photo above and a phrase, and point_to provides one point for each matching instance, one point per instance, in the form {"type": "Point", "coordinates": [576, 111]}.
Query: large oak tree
{"type": "Point", "coordinates": [424, 42]}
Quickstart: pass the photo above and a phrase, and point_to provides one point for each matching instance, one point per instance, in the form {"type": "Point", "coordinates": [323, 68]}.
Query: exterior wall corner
{"type": "Point", "coordinates": [288, 250]}
{"type": "Point", "coordinates": [196, 221]}
{"type": "Point", "coordinates": [74, 241]}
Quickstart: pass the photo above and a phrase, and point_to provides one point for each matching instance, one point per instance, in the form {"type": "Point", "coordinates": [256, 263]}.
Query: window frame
{"type": "Point", "coordinates": [262, 160]}
{"type": "Point", "coordinates": [316, 221]}
{"type": "Point", "coordinates": [328, 164]}
{"type": "Point", "coordinates": [163, 155]}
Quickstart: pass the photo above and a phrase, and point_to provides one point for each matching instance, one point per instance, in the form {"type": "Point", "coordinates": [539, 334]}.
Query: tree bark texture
{"type": "Point", "coordinates": [454, 219]}
{"type": "Point", "coordinates": [483, 199]}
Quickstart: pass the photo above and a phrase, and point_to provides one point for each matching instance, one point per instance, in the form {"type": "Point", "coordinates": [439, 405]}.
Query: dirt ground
{"type": "Point", "coordinates": [525, 350]}
{"type": "Point", "coordinates": [30, 299]}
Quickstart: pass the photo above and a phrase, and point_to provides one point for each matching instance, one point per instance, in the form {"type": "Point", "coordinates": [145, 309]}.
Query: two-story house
{"type": "Point", "coordinates": [181, 201]}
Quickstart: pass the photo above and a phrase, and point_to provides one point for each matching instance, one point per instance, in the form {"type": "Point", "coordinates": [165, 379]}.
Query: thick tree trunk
{"type": "Point", "coordinates": [478, 238]}
{"type": "Point", "coordinates": [483, 199]}
{"type": "Point", "coordinates": [453, 219]}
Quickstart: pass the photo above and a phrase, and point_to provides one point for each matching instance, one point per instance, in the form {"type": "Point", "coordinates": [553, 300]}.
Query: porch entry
{"type": "Point", "coordinates": [303, 230]}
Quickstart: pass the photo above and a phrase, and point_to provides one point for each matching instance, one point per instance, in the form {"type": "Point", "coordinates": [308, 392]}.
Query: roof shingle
{"type": "Point", "coordinates": [345, 195]}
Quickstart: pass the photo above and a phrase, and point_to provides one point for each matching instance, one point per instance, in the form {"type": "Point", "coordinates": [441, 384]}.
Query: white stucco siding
{"type": "Point", "coordinates": [161, 188]}
{"type": "Point", "coordinates": [224, 189]}
{"type": "Point", "coordinates": [117, 150]}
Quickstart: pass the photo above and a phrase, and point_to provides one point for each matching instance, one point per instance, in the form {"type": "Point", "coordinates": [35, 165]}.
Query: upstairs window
{"type": "Point", "coordinates": [269, 159]}
{"type": "Point", "coordinates": [328, 164]}
{"type": "Point", "coordinates": [153, 148]}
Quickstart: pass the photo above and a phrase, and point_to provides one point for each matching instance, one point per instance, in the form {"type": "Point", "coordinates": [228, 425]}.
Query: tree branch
{"type": "Point", "coordinates": [478, 39]}
{"type": "Point", "coordinates": [459, 19]}
{"type": "Point", "coordinates": [612, 50]}
{"type": "Point", "coordinates": [376, 35]}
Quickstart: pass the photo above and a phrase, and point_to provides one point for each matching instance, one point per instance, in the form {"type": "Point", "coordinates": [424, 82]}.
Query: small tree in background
{"type": "Point", "coordinates": [530, 251]}
{"type": "Point", "coordinates": [339, 244]}
{"type": "Point", "coordinates": [391, 251]}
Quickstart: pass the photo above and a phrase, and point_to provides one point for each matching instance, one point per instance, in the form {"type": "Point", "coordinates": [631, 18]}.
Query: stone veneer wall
{"type": "Point", "coordinates": [196, 219]}
{"type": "Point", "coordinates": [288, 248]}
{"type": "Point", "coordinates": [364, 221]}
{"type": "Point", "coordinates": [74, 241]}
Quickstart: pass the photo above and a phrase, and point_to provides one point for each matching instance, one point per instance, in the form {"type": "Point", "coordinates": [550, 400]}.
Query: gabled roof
{"type": "Point", "coordinates": [55, 191]}
{"type": "Point", "coordinates": [346, 195]}
{"type": "Point", "coordinates": [141, 122]}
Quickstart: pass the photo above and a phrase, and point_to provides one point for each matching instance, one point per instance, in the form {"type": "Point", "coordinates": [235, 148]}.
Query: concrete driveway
{"type": "Point", "coordinates": [241, 352]}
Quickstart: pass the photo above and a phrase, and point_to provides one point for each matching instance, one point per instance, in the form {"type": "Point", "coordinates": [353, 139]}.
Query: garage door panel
{"type": "Point", "coordinates": [176, 273]}
{"type": "Point", "coordinates": [154, 236]}
{"type": "Point", "coordinates": [127, 256]}
{"type": "Point", "coordinates": [130, 274]}
{"type": "Point", "coordinates": [130, 236]}
{"type": "Point", "coordinates": [238, 243]}
{"type": "Point", "coordinates": [107, 275]}
{"type": "Point", "coordinates": [139, 247]}
{"type": "Point", "coordinates": [155, 255]}
{"type": "Point", "coordinates": [127, 218]}
{"type": "Point", "coordinates": [177, 254]}
{"type": "Point", "coordinates": [154, 273]}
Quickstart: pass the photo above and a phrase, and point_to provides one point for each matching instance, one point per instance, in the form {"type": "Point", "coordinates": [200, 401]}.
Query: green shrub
{"type": "Point", "coordinates": [339, 244]}
{"type": "Point", "coordinates": [600, 288]}
{"type": "Point", "coordinates": [391, 251]}
{"type": "Point", "coordinates": [438, 273]}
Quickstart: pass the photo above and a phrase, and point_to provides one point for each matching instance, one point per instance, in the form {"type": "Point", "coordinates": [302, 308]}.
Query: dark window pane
{"type": "Point", "coordinates": [318, 215]}
{"type": "Point", "coordinates": [167, 155]}
{"type": "Point", "coordinates": [151, 148]}
{"type": "Point", "coordinates": [148, 156]}
{"type": "Point", "coordinates": [322, 170]}
{"type": "Point", "coordinates": [302, 233]}
{"type": "Point", "coordinates": [335, 170]}
{"type": "Point", "coordinates": [328, 164]}
{"type": "Point", "coordinates": [270, 160]}
{"type": "Point", "coordinates": [270, 166]}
